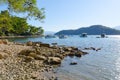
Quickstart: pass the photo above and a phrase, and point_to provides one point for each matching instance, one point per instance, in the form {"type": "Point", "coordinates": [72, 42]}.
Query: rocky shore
{"type": "Point", "coordinates": [32, 60]}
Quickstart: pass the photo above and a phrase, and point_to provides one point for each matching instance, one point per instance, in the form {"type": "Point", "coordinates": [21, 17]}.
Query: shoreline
{"type": "Point", "coordinates": [8, 37]}
{"type": "Point", "coordinates": [32, 60]}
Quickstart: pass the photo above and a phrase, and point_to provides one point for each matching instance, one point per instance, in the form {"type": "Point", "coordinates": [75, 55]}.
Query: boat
{"type": "Point", "coordinates": [103, 35]}
{"type": "Point", "coordinates": [83, 35]}
{"type": "Point", "coordinates": [62, 36]}
{"type": "Point", "coordinates": [50, 36]}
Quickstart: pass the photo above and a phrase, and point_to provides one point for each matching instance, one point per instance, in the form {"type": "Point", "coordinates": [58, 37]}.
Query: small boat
{"type": "Point", "coordinates": [50, 36]}
{"type": "Point", "coordinates": [83, 35]}
{"type": "Point", "coordinates": [73, 63]}
{"type": "Point", "coordinates": [62, 36]}
{"type": "Point", "coordinates": [103, 35]}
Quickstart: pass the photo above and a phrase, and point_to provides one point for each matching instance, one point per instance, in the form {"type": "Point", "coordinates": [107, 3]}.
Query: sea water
{"type": "Point", "coordinates": [97, 65]}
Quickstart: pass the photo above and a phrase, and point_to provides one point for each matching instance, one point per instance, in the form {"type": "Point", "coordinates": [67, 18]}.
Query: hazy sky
{"type": "Point", "coordinates": [73, 14]}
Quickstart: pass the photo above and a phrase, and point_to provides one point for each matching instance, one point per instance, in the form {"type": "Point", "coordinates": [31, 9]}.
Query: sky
{"type": "Point", "coordinates": [73, 14]}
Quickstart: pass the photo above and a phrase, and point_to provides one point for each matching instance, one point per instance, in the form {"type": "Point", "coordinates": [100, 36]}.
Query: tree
{"type": "Point", "coordinates": [5, 23]}
{"type": "Point", "coordinates": [25, 6]}
{"type": "Point", "coordinates": [40, 31]}
{"type": "Point", "coordinates": [35, 30]}
{"type": "Point", "coordinates": [19, 25]}
{"type": "Point", "coordinates": [12, 25]}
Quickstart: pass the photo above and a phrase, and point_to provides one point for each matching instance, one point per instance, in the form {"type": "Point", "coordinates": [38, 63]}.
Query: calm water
{"type": "Point", "coordinates": [101, 65]}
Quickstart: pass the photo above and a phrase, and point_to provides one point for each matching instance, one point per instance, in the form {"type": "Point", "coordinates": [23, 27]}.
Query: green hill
{"type": "Point", "coordinates": [92, 30]}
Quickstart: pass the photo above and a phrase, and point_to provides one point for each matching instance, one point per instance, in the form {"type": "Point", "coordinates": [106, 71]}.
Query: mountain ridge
{"type": "Point", "coordinates": [91, 30]}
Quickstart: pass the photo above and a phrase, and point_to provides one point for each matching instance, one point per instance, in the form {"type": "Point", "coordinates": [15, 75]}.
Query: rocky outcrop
{"type": "Point", "coordinates": [31, 60]}
{"type": "Point", "coordinates": [49, 54]}
{"type": "Point", "coordinates": [54, 60]}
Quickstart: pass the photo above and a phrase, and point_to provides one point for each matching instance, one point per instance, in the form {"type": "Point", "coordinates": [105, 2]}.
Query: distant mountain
{"type": "Point", "coordinates": [92, 30]}
{"type": "Point", "coordinates": [117, 27]}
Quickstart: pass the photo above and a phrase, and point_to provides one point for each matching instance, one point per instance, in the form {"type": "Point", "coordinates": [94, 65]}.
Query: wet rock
{"type": "Point", "coordinates": [54, 44]}
{"type": "Point", "coordinates": [71, 54]}
{"type": "Point", "coordinates": [84, 53]}
{"type": "Point", "coordinates": [78, 54]}
{"type": "Point", "coordinates": [73, 63]}
{"type": "Point", "coordinates": [44, 45]}
{"type": "Point", "coordinates": [67, 49]}
{"type": "Point", "coordinates": [98, 49]}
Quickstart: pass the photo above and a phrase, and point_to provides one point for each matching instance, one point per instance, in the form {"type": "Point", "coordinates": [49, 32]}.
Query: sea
{"type": "Point", "coordinates": [97, 65]}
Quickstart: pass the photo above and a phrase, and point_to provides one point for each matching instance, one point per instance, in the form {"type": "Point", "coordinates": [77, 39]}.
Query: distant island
{"type": "Point", "coordinates": [92, 30]}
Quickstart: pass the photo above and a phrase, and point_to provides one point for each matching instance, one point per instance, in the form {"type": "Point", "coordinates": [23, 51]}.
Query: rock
{"type": "Point", "coordinates": [78, 54]}
{"type": "Point", "coordinates": [34, 75]}
{"type": "Point", "coordinates": [28, 58]}
{"type": "Point", "coordinates": [74, 48]}
{"type": "Point", "coordinates": [73, 63]}
{"type": "Point", "coordinates": [44, 45]}
{"type": "Point", "coordinates": [3, 55]}
{"type": "Point", "coordinates": [59, 55]}
{"type": "Point", "coordinates": [67, 48]}
{"type": "Point", "coordinates": [32, 54]}
{"type": "Point", "coordinates": [71, 54]}
{"type": "Point", "coordinates": [4, 41]}
{"type": "Point", "coordinates": [38, 57]}
{"type": "Point", "coordinates": [84, 53]}
{"type": "Point", "coordinates": [54, 60]}
{"type": "Point", "coordinates": [26, 52]}
{"type": "Point", "coordinates": [37, 44]}
{"type": "Point", "coordinates": [29, 43]}
{"type": "Point", "coordinates": [98, 49]}
{"type": "Point", "coordinates": [54, 47]}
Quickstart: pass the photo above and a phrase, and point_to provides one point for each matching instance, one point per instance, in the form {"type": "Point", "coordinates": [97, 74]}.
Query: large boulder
{"type": "Point", "coordinates": [44, 45]}
{"type": "Point", "coordinates": [4, 41]}
{"type": "Point", "coordinates": [3, 55]}
{"type": "Point", "coordinates": [68, 49]}
{"type": "Point", "coordinates": [29, 43]}
{"type": "Point", "coordinates": [78, 54]}
{"type": "Point", "coordinates": [54, 60]}
{"type": "Point", "coordinates": [26, 52]}
{"type": "Point", "coordinates": [38, 57]}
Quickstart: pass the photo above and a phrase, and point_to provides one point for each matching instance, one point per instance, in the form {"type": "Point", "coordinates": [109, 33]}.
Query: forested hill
{"type": "Point", "coordinates": [92, 30]}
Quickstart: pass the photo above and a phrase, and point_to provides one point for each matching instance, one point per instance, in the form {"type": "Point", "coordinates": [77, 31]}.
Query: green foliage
{"type": "Point", "coordinates": [5, 23]}
{"type": "Point", "coordinates": [35, 30]}
{"type": "Point", "coordinates": [11, 25]}
{"type": "Point", "coordinates": [25, 6]}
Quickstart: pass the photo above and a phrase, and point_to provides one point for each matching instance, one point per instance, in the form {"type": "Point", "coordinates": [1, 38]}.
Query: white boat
{"type": "Point", "coordinates": [83, 35]}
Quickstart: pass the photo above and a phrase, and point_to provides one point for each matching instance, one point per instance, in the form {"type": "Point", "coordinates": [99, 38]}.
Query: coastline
{"type": "Point", "coordinates": [32, 60]}
{"type": "Point", "coordinates": [9, 37]}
